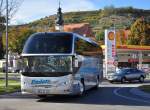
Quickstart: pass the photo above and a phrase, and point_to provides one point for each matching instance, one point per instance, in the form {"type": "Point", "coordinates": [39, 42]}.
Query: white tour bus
{"type": "Point", "coordinates": [60, 63]}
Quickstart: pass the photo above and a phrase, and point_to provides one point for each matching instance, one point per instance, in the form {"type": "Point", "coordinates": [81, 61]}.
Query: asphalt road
{"type": "Point", "coordinates": [107, 97]}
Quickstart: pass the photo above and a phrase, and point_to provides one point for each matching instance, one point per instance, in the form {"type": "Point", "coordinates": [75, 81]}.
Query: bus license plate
{"type": "Point", "coordinates": [42, 91]}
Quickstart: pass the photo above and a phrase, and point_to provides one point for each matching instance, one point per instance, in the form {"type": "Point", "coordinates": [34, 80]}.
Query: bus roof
{"type": "Point", "coordinates": [69, 33]}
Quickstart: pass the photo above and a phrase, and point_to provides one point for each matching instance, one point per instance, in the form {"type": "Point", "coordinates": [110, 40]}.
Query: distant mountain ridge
{"type": "Point", "coordinates": [99, 20]}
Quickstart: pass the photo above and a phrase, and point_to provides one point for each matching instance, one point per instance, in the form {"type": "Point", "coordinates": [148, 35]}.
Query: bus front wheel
{"type": "Point", "coordinates": [82, 87]}
{"type": "Point", "coordinates": [42, 96]}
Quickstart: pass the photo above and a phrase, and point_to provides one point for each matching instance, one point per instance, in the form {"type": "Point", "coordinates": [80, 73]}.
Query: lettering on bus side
{"type": "Point", "coordinates": [40, 81]}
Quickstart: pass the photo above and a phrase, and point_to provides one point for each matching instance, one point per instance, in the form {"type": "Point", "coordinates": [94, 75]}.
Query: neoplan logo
{"type": "Point", "coordinates": [40, 81]}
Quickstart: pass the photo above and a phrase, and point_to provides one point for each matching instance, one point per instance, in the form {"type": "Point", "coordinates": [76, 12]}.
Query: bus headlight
{"type": "Point", "coordinates": [65, 83]}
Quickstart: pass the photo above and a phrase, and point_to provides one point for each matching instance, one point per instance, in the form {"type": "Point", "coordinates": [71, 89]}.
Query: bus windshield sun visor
{"type": "Point", "coordinates": [45, 74]}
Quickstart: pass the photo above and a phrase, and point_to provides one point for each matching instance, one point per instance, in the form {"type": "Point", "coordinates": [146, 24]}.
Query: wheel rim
{"type": "Point", "coordinates": [123, 80]}
{"type": "Point", "coordinates": [141, 79]}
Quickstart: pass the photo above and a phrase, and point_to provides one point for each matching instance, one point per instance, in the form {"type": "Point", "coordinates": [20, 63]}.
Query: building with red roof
{"type": "Point", "coordinates": [80, 28]}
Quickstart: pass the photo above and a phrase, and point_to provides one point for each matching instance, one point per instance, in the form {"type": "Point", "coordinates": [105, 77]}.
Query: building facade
{"type": "Point", "coordinates": [132, 56]}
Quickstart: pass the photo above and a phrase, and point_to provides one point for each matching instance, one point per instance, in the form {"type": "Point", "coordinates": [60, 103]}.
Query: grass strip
{"type": "Point", "coordinates": [145, 88]}
{"type": "Point", "coordinates": [11, 82]}
{"type": "Point", "coordinates": [13, 86]}
{"type": "Point", "coordinates": [9, 74]}
{"type": "Point", "coordinates": [10, 89]}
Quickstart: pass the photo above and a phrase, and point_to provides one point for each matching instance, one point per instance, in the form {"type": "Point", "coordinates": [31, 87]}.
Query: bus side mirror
{"type": "Point", "coordinates": [75, 62]}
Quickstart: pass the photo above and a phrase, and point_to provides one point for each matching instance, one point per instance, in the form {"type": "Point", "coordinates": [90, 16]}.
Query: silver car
{"type": "Point", "coordinates": [127, 74]}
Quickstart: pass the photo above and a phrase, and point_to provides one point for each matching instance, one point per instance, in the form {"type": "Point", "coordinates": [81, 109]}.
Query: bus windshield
{"type": "Point", "coordinates": [48, 43]}
{"type": "Point", "coordinates": [46, 65]}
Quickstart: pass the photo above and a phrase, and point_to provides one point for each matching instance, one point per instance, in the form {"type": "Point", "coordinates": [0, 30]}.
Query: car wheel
{"type": "Point", "coordinates": [123, 80]}
{"type": "Point", "coordinates": [141, 79]}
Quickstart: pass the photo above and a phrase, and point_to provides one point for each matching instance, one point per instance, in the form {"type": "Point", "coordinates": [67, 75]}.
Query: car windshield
{"type": "Point", "coordinates": [121, 71]}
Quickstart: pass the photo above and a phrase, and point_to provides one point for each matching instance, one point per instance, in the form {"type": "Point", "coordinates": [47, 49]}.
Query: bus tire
{"type": "Point", "coordinates": [97, 83]}
{"type": "Point", "coordinates": [82, 87]}
{"type": "Point", "coordinates": [42, 96]}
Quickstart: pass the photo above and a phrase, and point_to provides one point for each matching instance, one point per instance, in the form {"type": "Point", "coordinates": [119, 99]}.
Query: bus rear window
{"type": "Point", "coordinates": [48, 43]}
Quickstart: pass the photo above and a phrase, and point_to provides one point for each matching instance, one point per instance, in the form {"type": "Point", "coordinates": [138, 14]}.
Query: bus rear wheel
{"type": "Point", "coordinates": [97, 83]}
{"type": "Point", "coordinates": [82, 87]}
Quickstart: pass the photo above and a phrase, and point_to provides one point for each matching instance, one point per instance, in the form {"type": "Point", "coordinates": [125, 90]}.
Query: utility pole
{"type": "Point", "coordinates": [6, 68]}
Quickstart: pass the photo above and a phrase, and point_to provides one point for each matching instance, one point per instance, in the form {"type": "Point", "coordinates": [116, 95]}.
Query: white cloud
{"type": "Point", "coordinates": [35, 9]}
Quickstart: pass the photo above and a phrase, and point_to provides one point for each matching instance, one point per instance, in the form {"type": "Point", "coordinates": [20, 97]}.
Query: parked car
{"type": "Point", "coordinates": [127, 74]}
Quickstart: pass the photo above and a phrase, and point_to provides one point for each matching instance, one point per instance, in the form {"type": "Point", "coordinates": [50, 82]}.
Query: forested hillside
{"type": "Point", "coordinates": [99, 20]}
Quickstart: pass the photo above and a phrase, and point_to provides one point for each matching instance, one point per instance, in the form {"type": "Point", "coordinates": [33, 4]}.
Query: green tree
{"type": "Point", "coordinates": [140, 33]}
{"type": "Point", "coordinates": [2, 21]}
{"type": "Point", "coordinates": [1, 48]}
{"type": "Point", "coordinates": [108, 10]}
{"type": "Point", "coordinates": [100, 36]}
{"type": "Point", "coordinates": [17, 37]}
{"type": "Point", "coordinates": [2, 27]}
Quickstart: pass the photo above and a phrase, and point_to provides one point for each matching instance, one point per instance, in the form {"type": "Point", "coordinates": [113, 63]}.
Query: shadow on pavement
{"type": "Point", "coordinates": [103, 96]}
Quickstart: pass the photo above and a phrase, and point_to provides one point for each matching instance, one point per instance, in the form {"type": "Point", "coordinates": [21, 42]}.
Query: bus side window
{"type": "Point", "coordinates": [78, 48]}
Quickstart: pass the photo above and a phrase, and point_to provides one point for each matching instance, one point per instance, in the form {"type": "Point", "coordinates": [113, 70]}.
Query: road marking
{"type": "Point", "coordinates": [139, 92]}
{"type": "Point", "coordinates": [129, 98]}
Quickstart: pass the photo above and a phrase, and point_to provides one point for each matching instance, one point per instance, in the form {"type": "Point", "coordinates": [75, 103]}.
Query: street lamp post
{"type": "Point", "coordinates": [6, 75]}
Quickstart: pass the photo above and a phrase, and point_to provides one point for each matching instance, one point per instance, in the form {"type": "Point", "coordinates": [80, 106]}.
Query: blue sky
{"type": "Point", "coordinates": [144, 4]}
{"type": "Point", "coordinates": [31, 10]}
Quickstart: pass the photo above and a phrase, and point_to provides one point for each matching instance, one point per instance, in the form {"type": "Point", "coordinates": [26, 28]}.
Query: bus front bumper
{"type": "Point", "coordinates": [49, 85]}
{"type": "Point", "coordinates": [61, 90]}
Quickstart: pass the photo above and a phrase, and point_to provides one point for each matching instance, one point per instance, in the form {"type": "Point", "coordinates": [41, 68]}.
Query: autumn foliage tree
{"type": "Point", "coordinates": [100, 36]}
{"type": "Point", "coordinates": [13, 6]}
{"type": "Point", "coordinates": [140, 33]}
{"type": "Point", "coordinates": [2, 27]}
{"type": "Point", "coordinates": [17, 38]}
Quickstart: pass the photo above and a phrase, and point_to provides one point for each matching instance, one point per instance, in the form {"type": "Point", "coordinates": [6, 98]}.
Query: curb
{"type": "Point", "coordinates": [10, 93]}
{"type": "Point", "coordinates": [139, 92]}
